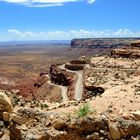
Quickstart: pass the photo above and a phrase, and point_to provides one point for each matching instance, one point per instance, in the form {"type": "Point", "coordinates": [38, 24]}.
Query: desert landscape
{"type": "Point", "coordinates": [66, 93]}
{"type": "Point", "coordinates": [69, 70]}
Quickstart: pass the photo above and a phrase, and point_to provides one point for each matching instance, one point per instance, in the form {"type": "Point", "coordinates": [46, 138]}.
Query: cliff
{"type": "Point", "coordinates": [131, 51]}
{"type": "Point", "coordinates": [101, 42]}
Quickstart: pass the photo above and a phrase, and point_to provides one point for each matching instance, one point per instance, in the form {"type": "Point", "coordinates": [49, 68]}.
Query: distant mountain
{"type": "Point", "coordinates": [101, 42]}
{"type": "Point", "coordinates": [38, 42]}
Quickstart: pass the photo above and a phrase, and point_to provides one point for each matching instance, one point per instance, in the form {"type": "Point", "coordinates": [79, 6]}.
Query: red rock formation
{"type": "Point", "coordinates": [26, 88]}
{"type": "Point", "coordinates": [48, 92]}
{"type": "Point", "coordinates": [40, 81]}
{"type": "Point", "coordinates": [135, 44]}
{"type": "Point", "coordinates": [101, 42]}
{"type": "Point", "coordinates": [60, 77]}
{"type": "Point", "coordinates": [126, 52]}
{"type": "Point", "coordinates": [65, 78]}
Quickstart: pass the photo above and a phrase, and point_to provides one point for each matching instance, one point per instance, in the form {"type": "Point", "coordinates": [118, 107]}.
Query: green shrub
{"type": "Point", "coordinates": [43, 106]}
{"type": "Point", "coordinates": [84, 110]}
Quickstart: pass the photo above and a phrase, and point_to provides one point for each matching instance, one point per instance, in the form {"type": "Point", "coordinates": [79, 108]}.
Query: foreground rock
{"type": "Point", "coordinates": [136, 114]}
{"type": "Point", "coordinates": [5, 103]}
{"type": "Point", "coordinates": [26, 123]}
{"type": "Point", "coordinates": [6, 116]}
{"type": "Point", "coordinates": [54, 126]}
{"type": "Point", "coordinates": [114, 132]}
{"type": "Point", "coordinates": [18, 119]}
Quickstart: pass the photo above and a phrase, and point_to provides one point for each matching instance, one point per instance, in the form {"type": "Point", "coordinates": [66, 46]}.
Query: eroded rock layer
{"type": "Point", "coordinates": [101, 42]}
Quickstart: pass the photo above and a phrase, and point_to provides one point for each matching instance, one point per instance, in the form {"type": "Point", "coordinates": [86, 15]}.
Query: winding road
{"type": "Point", "coordinates": [79, 83]}
{"type": "Point", "coordinates": [64, 89]}
{"type": "Point", "coordinates": [78, 91]}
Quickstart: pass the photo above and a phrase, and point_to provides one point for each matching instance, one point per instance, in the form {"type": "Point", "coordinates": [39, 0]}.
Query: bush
{"type": "Point", "coordinates": [44, 106]}
{"type": "Point", "coordinates": [83, 110]}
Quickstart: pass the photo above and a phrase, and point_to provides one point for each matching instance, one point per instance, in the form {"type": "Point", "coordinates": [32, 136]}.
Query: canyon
{"type": "Point", "coordinates": [90, 97]}
{"type": "Point", "coordinates": [101, 42]}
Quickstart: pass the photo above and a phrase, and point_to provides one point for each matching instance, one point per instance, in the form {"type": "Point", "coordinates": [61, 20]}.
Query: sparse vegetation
{"type": "Point", "coordinates": [84, 110]}
{"type": "Point", "coordinates": [43, 106]}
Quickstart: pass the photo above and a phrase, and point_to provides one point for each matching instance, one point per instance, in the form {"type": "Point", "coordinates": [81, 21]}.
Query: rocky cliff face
{"type": "Point", "coordinates": [34, 121]}
{"type": "Point", "coordinates": [101, 42]}
{"type": "Point", "coordinates": [113, 115]}
{"type": "Point", "coordinates": [131, 51]}
{"type": "Point", "coordinates": [60, 77]}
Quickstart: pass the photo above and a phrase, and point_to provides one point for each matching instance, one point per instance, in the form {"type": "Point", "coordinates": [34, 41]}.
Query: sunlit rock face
{"type": "Point", "coordinates": [101, 42]}
{"type": "Point", "coordinates": [131, 51]}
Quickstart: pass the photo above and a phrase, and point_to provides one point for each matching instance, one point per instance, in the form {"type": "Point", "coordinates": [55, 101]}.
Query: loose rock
{"type": "Point", "coordinates": [114, 132]}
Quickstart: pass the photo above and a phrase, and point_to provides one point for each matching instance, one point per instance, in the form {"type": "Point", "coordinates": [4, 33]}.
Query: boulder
{"type": "Point", "coordinates": [1, 134]}
{"type": "Point", "coordinates": [18, 119]}
{"type": "Point", "coordinates": [6, 116]}
{"type": "Point", "coordinates": [59, 125]}
{"type": "Point", "coordinates": [136, 114]}
{"type": "Point", "coordinates": [95, 89]}
{"type": "Point", "coordinates": [114, 132]}
{"type": "Point", "coordinates": [129, 128]}
{"type": "Point", "coordinates": [5, 103]}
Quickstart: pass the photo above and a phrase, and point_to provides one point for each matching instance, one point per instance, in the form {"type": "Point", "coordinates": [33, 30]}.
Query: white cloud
{"type": "Point", "coordinates": [44, 3]}
{"type": "Point", "coordinates": [123, 32]}
{"type": "Point", "coordinates": [14, 34]}
{"type": "Point", "coordinates": [14, 31]}
{"type": "Point", "coordinates": [90, 1]}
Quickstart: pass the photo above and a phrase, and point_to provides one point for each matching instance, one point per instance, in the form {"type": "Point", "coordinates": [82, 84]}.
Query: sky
{"type": "Point", "coordinates": [67, 19]}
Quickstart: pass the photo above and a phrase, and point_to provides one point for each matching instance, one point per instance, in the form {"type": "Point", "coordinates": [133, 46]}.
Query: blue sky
{"type": "Point", "coordinates": [67, 19]}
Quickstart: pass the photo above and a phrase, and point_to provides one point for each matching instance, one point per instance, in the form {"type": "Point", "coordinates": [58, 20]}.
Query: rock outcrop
{"type": "Point", "coordinates": [94, 89]}
{"type": "Point", "coordinates": [131, 51]}
{"type": "Point", "coordinates": [101, 42]}
{"type": "Point", "coordinates": [5, 103]}
{"type": "Point", "coordinates": [45, 90]}
{"type": "Point", "coordinates": [74, 67]}
{"type": "Point", "coordinates": [41, 120]}
{"type": "Point", "coordinates": [41, 80]}
{"type": "Point", "coordinates": [126, 52]}
{"type": "Point", "coordinates": [32, 123]}
{"type": "Point", "coordinates": [136, 43]}
{"type": "Point", "coordinates": [60, 77]}
{"type": "Point", "coordinates": [59, 127]}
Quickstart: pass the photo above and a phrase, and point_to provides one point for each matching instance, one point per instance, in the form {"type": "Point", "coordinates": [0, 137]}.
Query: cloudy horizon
{"type": "Point", "coordinates": [68, 19]}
